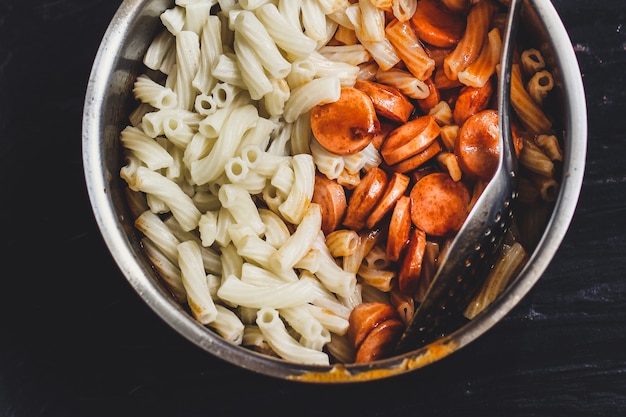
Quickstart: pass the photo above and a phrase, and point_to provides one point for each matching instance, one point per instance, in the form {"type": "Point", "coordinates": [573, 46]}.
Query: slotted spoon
{"type": "Point", "coordinates": [471, 253]}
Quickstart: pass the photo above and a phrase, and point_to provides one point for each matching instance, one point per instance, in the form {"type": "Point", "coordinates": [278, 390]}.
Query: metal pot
{"type": "Point", "coordinates": [107, 105]}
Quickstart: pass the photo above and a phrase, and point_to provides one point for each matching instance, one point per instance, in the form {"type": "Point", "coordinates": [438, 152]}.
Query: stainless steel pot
{"type": "Point", "coordinates": [107, 105]}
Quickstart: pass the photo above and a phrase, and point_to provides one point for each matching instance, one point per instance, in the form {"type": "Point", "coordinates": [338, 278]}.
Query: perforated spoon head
{"type": "Point", "coordinates": [471, 253]}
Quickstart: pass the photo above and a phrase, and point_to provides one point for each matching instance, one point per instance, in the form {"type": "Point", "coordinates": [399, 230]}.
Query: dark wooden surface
{"type": "Point", "coordinates": [75, 340]}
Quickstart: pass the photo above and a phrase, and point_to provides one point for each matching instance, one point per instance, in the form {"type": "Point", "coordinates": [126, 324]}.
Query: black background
{"type": "Point", "coordinates": [76, 340]}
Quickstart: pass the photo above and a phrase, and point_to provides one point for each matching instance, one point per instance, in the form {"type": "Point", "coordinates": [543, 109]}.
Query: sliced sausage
{"type": "Point", "coordinates": [388, 101]}
{"type": "Point", "coordinates": [331, 197]}
{"type": "Point", "coordinates": [411, 268]}
{"type": "Point", "coordinates": [381, 341]}
{"type": "Point", "coordinates": [347, 125]}
{"type": "Point", "coordinates": [409, 139]}
{"type": "Point", "coordinates": [439, 205]}
{"type": "Point", "coordinates": [395, 189]}
{"type": "Point", "coordinates": [470, 101]}
{"type": "Point", "coordinates": [366, 316]}
{"type": "Point", "coordinates": [478, 145]}
{"type": "Point", "coordinates": [436, 24]}
{"type": "Point", "coordinates": [416, 161]}
{"type": "Point", "coordinates": [364, 198]}
{"type": "Point", "coordinates": [399, 228]}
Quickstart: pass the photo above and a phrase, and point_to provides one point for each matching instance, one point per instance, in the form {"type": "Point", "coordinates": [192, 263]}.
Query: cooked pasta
{"type": "Point", "coordinates": [282, 343]}
{"type": "Point", "coordinates": [221, 161]}
{"type": "Point", "coordinates": [304, 97]}
{"type": "Point", "coordinates": [194, 280]}
{"type": "Point", "coordinates": [145, 148]}
{"type": "Point", "coordinates": [471, 43]}
{"type": "Point", "coordinates": [237, 123]}
{"type": "Point", "coordinates": [287, 37]}
{"type": "Point", "coordinates": [484, 66]}
{"type": "Point", "coordinates": [409, 48]}
{"type": "Point", "coordinates": [211, 48]}
{"type": "Point", "coordinates": [285, 295]}
{"type": "Point", "coordinates": [300, 241]}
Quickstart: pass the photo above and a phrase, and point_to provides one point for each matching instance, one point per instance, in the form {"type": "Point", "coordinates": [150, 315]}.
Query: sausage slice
{"type": "Point", "coordinates": [439, 205]}
{"type": "Point", "coordinates": [331, 197]}
{"type": "Point", "coordinates": [347, 125]}
{"type": "Point", "coordinates": [388, 101]}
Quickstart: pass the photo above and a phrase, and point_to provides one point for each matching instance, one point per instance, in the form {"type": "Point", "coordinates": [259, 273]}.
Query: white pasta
{"type": "Point", "coordinates": [252, 71]}
{"type": "Point", "coordinates": [276, 230]}
{"type": "Point", "coordinates": [173, 19]}
{"type": "Point", "coordinates": [180, 204]}
{"type": "Point", "coordinates": [196, 15]}
{"type": "Point", "coordinates": [167, 270]}
{"type": "Point", "coordinates": [302, 72]}
{"type": "Point", "coordinates": [158, 49]}
{"type": "Point", "coordinates": [314, 21]}
{"type": "Point", "coordinates": [248, 26]}
{"type": "Point", "coordinates": [258, 276]}
{"type": "Point", "coordinates": [324, 67]}
{"type": "Point", "coordinates": [187, 64]}
{"type": "Point", "coordinates": [309, 262]}
{"type": "Point", "coordinates": [239, 173]}
{"type": "Point", "coordinates": [351, 54]}
{"type": "Point", "coordinates": [227, 70]}
{"type": "Point", "coordinates": [291, 11]}
{"type": "Point", "coordinates": [305, 97]}
{"type": "Point", "coordinates": [289, 294]}
{"type": "Point", "coordinates": [382, 51]}
{"type": "Point", "coordinates": [253, 4]}
{"type": "Point", "coordinates": [275, 100]}
{"type": "Point", "coordinates": [282, 182]}
{"type": "Point", "coordinates": [279, 139]}
{"type": "Point", "coordinates": [225, 94]}
{"type": "Point", "coordinates": [207, 226]}
{"type": "Point", "coordinates": [195, 283]}
{"type": "Point", "coordinates": [228, 325]}
{"type": "Point", "coordinates": [210, 49]}
{"type": "Point", "coordinates": [177, 131]}
{"type": "Point", "coordinates": [403, 10]}
{"type": "Point", "coordinates": [364, 159]}
{"type": "Point", "coordinates": [302, 321]}
{"type": "Point", "coordinates": [287, 37]}
{"type": "Point", "coordinates": [205, 104]}
{"type": "Point", "coordinates": [232, 263]}
{"type": "Point", "coordinates": [294, 207]}
{"type": "Point", "coordinates": [282, 343]}
{"type": "Point", "coordinates": [175, 170]}
{"type": "Point", "coordinates": [261, 162]}
{"type": "Point", "coordinates": [404, 81]}
{"type": "Point", "coordinates": [210, 258]}
{"type": "Point", "coordinates": [323, 298]}
{"type": "Point", "coordinates": [237, 123]}
{"type": "Point", "coordinates": [301, 134]}
{"type": "Point", "coordinates": [258, 135]}
{"type": "Point", "coordinates": [330, 274]}
{"type": "Point", "coordinates": [254, 249]}
{"type": "Point", "coordinates": [372, 27]}
{"type": "Point", "coordinates": [329, 320]}
{"type": "Point", "coordinates": [327, 163]}
{"type": "Point", "coordinates": [253, 337]}
{"type": "Point", "coordinates": [149, 91]}
{"type": "Point", "coordinates": [300, 241]}
{"type": "Point", "coordinates": [241, 206]}
{"type": "Point", "coordinates": [145, 148]}
{"type": "Point", "coordinates": [211, 126]}
{"type": "Point", "coordinates": [153, 123]}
